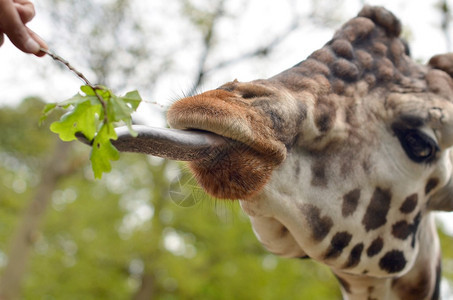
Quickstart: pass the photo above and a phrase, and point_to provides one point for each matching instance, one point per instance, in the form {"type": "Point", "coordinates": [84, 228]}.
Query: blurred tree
{"type": "Point", "coordinates": [123, 236]}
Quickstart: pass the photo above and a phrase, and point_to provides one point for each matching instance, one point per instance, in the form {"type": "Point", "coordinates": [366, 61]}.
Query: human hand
{"type": "Point", "coordinates": [14, 14]}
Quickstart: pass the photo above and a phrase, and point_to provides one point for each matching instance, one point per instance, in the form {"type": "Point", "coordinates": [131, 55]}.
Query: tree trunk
{"type": "Point", "coordinates": [146, 290]}
{"type": "Point", "coordinates": [27, 230]}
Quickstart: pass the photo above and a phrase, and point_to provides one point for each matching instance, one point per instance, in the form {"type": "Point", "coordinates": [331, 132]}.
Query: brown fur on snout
{"type": "Point", "coordinates": [242, 168]}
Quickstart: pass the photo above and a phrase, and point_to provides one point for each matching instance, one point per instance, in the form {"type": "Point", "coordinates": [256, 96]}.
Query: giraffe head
{"type": "Point", "coordinates": [339, 158]}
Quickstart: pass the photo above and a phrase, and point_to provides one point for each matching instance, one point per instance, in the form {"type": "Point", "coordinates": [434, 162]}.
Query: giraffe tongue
{"type": "Point", "coordinates": [185, 145]}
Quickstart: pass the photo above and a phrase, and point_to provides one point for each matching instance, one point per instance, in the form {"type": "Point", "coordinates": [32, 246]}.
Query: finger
{"type": "Point", "coordinates": [26, 11]}
{"type": "Point", "coordinates": [12, 26]}
{"type": "Point", "coordinates": [40, 42]}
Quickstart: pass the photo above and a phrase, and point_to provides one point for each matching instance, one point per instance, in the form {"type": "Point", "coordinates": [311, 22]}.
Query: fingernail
{"type": "Point", "coordinates": [31, 46]}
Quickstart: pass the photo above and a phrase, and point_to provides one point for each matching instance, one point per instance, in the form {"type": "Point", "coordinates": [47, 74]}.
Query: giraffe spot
{"type": "Point", "coordinates": [350, 202]}
{"type": "Point", "coordinates": [430, 185]}
{"type": "Point", "coordinates": [346, 286]}
{"type": "Point", "coordinates": [343, 48]}
{"type": "Point", "coordinates": [401, 230]}
{"type": "Point", "coordinates": [376, 212]}
{"type": "Point", "coordinates": [318, 173]}
{"type": "Point", "coordinates": [325, 114]}
{"type": "Point", "coordinates": [339, 241]}
{"type": "Point", "coordinates": [409, 204]}
{"type": "Point", "coordinates": [354, 256]}
{"type": "Point", "coordinates": [345, 70]}
{"type": "Point", "coordinates": [319, 226]}
{"type": "Point", "coordinates": [375, 247]}
{"type": "Point", "coordinates": [393, 261]}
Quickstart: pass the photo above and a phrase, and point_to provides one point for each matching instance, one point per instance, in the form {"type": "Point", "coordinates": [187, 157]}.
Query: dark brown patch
{"type": "Point", "coordinates": [401, 230]}
{"type": "Point", "coordinates": [443, 62]}
{"type": "Point", "coordinates": [343, 48]}
{"type": "Point", "coordinates": [382, 17]}
{"type": "Point", "coordinates": [365, 59]}
{"type": "Point", "coordinates": [379, 49]}
{"type": "Point", "coordinates": [376, 213]}
{"type": "Point", "coordinates": [345, 70]}
{"type": "Point", "coordinates": [319, 226]}
{"type": "Point", "coordinates": [415, 288]}
{"type": "Point", "coordinates": [346, 286]}
{"type": "Point", "coordinates": [311, 66]}
{"type": "Point", "coordinates": [324, 55]}
{"type": "Point", "coordinates": [338, 86]}
{"type": "Point", "coordinates": [325, 114]}
{"type": "Point", "coordinates": [350, 202]}
{"type": "Point", "coordinates": [370, 292]}
{"type": "Point", "coordinates": [339, 241]}
{"type": "Point", "coordinates": [357, 29]}
{"type": "Point", "coordinates": [354, 256]}
{"type": "Point", "coordinates": [393, 261]}
{"type": "Point", "coordinates": [409, 204]}
{"type": "Point", "coordinates": [385, 70]}
{"type": "Point", "coordinates": [430, 185]}
{"type": "Point", "coordinates": [415, 224]}
{"type": "Point", "coordinates": [375, 247]}
{"type": "Point", "coordinates": [284, 231]}
{"type": "Point", "coordinates": [318, 173]}
{"type": "Point", "coordinates": [436, 292]}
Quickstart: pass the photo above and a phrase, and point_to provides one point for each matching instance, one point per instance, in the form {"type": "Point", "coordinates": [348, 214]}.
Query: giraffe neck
{"type": "Point", "coordinates": [421, 282]}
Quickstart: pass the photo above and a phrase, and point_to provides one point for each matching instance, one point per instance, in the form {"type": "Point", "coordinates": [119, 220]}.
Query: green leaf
{"type": "Point", "coordinates": [103, 151]}
{"type": "Point", "coordinates": [83, 119]}
{"type": "Point", "coordinates": [118, 110]}
{"type": "Point", "coordinates": [95, 121]}
{"type": "Point", "coordinates": [46, 111]}
{"type": "Point", "coordinates": [133, 98]}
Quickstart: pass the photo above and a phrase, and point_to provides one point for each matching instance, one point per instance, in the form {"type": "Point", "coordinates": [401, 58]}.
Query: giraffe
{"type": "Point", "coordinates": [341, 158]}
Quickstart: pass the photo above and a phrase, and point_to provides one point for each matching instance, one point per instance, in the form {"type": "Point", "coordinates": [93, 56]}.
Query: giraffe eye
{"type": "Point", "coordinates": [419, 146]}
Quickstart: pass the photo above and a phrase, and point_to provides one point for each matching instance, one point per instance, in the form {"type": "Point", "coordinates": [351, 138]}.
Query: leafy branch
{"type": "Point", "coordinates": [92, 115]}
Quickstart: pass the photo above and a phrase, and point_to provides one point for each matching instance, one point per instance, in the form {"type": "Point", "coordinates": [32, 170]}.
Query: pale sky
{"type": "Point", "coordinates": [20, 74]}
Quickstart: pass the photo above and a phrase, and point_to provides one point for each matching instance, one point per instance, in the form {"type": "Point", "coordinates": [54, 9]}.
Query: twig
{"type": "Point", "coordinates": [81, 76]}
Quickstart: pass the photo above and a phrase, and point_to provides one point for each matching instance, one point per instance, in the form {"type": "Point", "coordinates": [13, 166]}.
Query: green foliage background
{"type": "Point", "coordinates": [100, 238]}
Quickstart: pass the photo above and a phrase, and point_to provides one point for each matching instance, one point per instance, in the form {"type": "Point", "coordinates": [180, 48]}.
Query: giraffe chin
{"type": "Point", "coordinates": [243, 183]}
